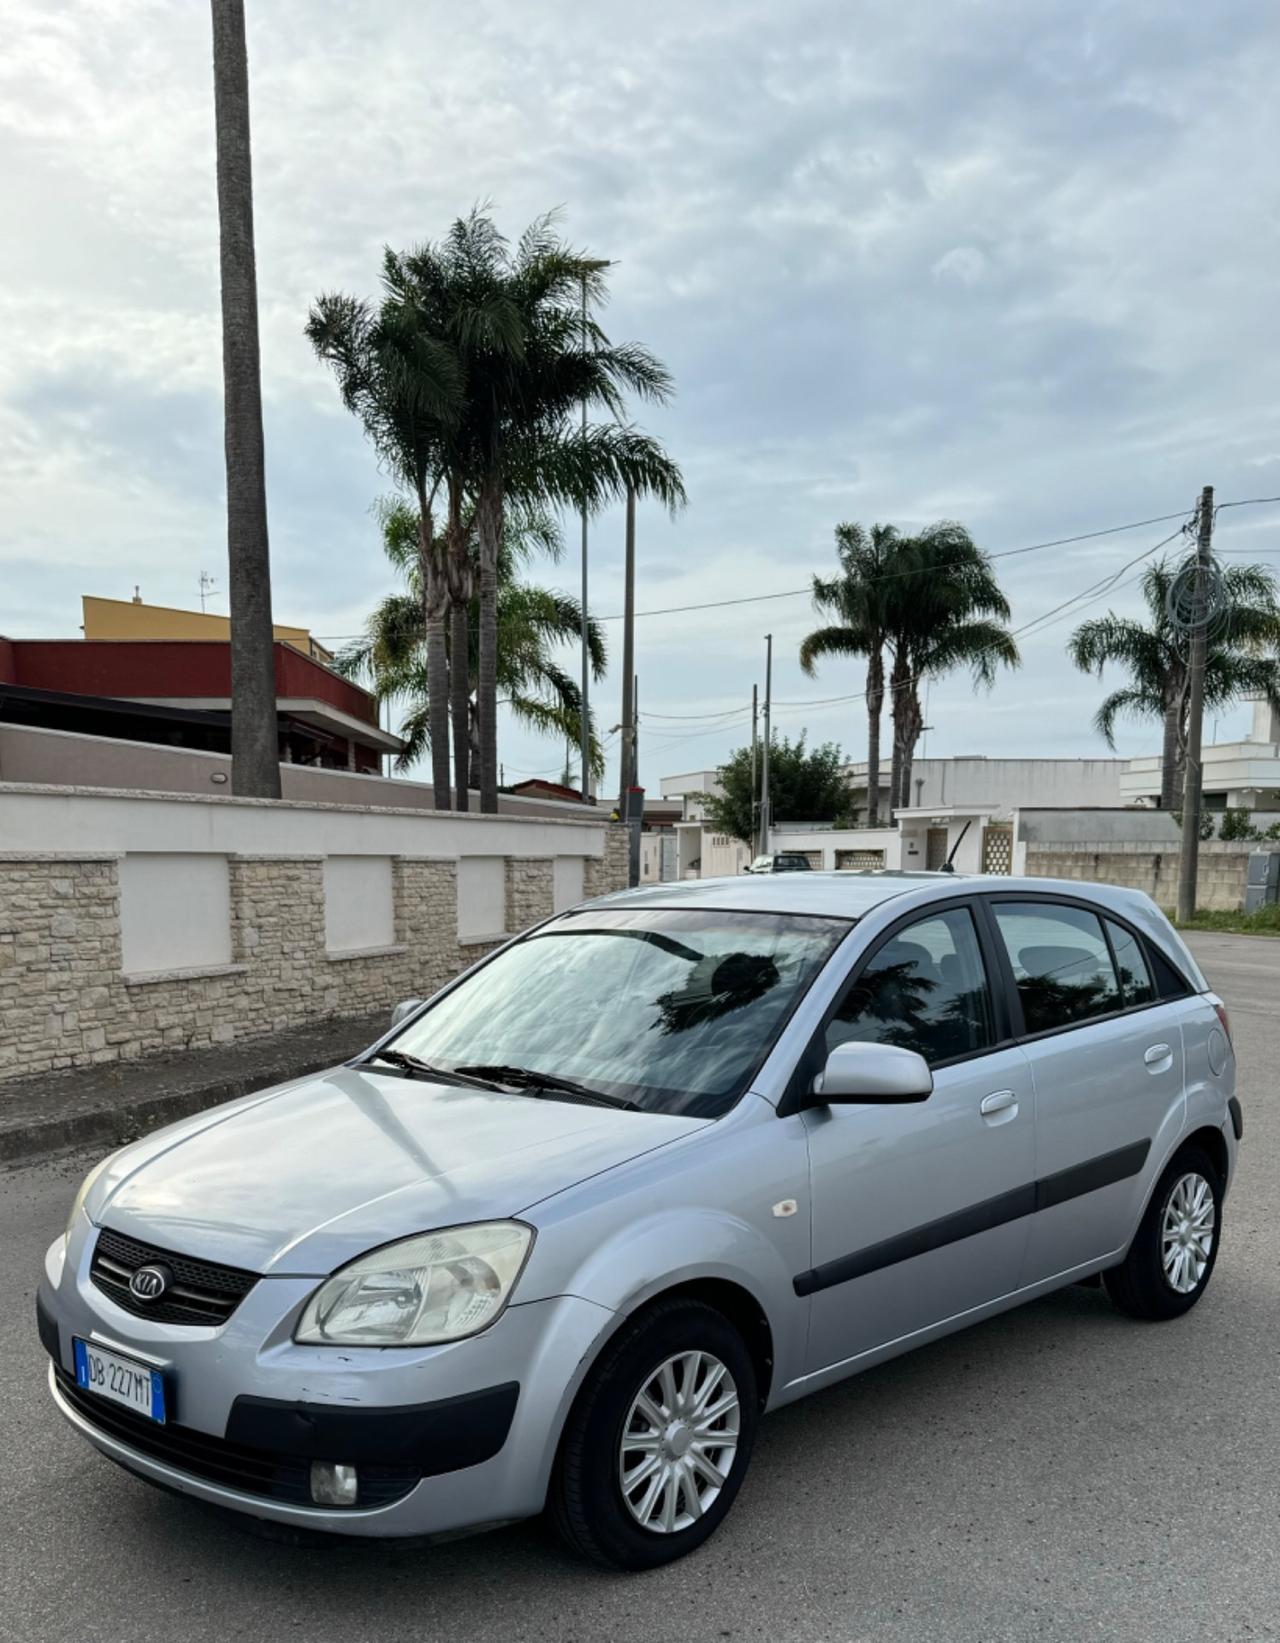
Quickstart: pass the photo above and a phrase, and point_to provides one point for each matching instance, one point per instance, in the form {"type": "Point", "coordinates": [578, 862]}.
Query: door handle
{"type": "Point", "coordinates": [998, 1101]}
{"type": "Point", "coordinates": [1157, 1053]}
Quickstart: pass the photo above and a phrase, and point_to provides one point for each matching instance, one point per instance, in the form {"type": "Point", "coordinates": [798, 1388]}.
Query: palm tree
{"type": "Point", "coordinates": [948, 612]}
{"type": "Point", "coordinates": [255, 750]}
{"type": "Point", "coordinates": [405, 384]}
{"type": "Point", "coordinates": [1156, 655]}
{"type": "Point", "coordinates": [532, 623]}
{"type": "Point", "coordinates": [860, 597]}
{"type": "Point", "coordinates": [531, 359]}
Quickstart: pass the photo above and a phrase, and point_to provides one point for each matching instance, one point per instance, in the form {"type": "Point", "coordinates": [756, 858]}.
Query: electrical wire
{"type": "Point", "coordinates": [795, 593]}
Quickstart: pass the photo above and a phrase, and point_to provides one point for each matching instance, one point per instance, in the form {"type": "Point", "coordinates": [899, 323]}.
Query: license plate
{"type": "Point", "coordinates": [136, 1385]}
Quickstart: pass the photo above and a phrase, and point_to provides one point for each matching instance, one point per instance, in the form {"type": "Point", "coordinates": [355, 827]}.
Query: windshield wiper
{"type": "Point", "coordinates": [528, 1078]}
{"type": "Point", "coordinates": [417, 1068]}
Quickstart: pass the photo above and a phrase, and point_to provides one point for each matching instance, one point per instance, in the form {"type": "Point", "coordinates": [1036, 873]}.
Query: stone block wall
{"type": "Point", "coordinates": [1220, 882]}
{"type": "Point", "coordinates": [609, 871]}
{"type": "Point", "coordinates": [65, 1000]}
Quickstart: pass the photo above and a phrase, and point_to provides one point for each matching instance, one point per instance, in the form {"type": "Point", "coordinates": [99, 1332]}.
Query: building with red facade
{"type": "Point", "coordinates": [177, 692]}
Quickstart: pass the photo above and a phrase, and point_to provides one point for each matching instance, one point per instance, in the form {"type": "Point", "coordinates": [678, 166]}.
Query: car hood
{"type": "Point", "coordinates": [300, 1179]}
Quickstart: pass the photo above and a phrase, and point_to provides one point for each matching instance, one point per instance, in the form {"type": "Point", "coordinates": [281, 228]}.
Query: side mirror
{"type": "Point", "coordinates": [406, 1007]}
{"type": "Point", "coordinates": [874, 1073]}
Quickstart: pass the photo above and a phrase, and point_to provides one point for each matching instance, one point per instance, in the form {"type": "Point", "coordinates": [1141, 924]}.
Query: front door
{"type": "Point", "coordinates": [918, 1211]}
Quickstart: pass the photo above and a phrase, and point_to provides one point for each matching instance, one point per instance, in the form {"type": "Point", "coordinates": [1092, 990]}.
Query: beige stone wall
{"type": "Point", "coordinates": [65, 1000]}
{"type": "Point", "coordinates": [608, 872]}
{"type": "Point", "coordinates": [1220, 880]}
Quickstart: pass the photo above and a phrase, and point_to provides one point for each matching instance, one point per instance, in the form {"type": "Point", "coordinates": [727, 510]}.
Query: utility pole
{"type": "Point", "coordinates": [764, 763]}
{"type": "Point", "coordinates": [1193, 784]}
{"type": "Point", "coordinates": [629, 766]}
{"type": "Point", "coordinates": [586, 651]}
{"type": "Point", "coordinates": [754, 733]}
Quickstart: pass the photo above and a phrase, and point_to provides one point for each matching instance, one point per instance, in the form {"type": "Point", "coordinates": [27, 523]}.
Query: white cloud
{"type": "Point", "coordinates": [1010, 264]}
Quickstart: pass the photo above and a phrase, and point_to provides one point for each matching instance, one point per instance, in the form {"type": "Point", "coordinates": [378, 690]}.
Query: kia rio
{"type": "Point", "coordinates": [663, 1164]}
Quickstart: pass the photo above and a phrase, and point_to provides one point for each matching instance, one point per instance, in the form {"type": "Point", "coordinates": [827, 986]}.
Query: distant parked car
{"type": "Point", "coordinates": [663, 1164]}
{"type": "Point", "coordinates": [786, 861]}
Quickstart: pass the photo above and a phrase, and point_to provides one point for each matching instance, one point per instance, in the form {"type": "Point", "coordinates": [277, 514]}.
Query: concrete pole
{"type": "Point", "coordinates": [754, 755]}
{"type": "Point", "coordinates": [1193, 783]}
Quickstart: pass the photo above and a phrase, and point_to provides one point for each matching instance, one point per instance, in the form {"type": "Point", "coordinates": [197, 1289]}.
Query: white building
{"type": "Point", "coordinates": [701, 851]}
{"type": "Point", "coordinates": [1000, 784]}
{"type": "Point", "coordinates": [1237, 775]}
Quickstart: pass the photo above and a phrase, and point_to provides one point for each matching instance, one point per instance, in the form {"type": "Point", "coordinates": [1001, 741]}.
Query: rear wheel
{"type": "Point", "coordinates": [1171, 1259]}
{"type": "Point", "coordinates": [657, 1444]}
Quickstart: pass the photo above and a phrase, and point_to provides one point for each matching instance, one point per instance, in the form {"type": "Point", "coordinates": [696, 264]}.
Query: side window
{"type": "Point", "coordinates": [1135, 978]}
{"type": "Point", "coordinates": [1061, 963]}
{"type": "Point", "coordinates": [925, 989]}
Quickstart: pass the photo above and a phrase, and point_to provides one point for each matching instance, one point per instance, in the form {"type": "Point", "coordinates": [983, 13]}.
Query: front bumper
{"type": "Point", "coordinates": [450, 1437]}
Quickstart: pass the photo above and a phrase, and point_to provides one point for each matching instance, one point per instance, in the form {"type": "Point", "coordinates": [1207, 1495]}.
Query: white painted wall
{"type": "Point", "coordinates": [359, 911]}
{"type": "Point", "coordinates": [482, 898]}
{"type": "Point", "coordinates": [175, 912]}
{"type": "Point", "coordinates": [68, 819]}
{"type": "Point", "coordinates": [1000, 785]}
{"type": "Point", "coordinates": [567, 882]}
{"type": "Point", "coordinates": [824, 842]}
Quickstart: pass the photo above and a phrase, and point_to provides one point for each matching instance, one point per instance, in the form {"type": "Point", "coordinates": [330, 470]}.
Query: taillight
{"type": "Point", "coordinates": [1220, 1010]}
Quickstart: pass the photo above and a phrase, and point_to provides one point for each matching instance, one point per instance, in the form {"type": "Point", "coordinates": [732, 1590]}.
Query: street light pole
{"type": "Point", "coordinates": [586, 651]}
{"type": "Point", "coordinates": [628, 774]}
{"type": "Point", "coordinates": [764, 766]}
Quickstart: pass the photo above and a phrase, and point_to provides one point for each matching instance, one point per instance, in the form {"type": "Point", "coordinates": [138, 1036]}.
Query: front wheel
{"type": "Point", "coordinates": [1171, 1258]}
{"type": "Point", "coordinates": [658, 1441]}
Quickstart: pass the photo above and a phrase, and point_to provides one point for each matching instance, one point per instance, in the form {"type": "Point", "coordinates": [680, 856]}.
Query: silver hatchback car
{"type": "Point", "coordinates": [663, 1164]}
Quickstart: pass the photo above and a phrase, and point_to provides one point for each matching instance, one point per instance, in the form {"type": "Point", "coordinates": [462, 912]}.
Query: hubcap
{"type": "Point", "coordinates": [678, 1442]}
{"type": "Point", "coordinates": [1187, 1233]}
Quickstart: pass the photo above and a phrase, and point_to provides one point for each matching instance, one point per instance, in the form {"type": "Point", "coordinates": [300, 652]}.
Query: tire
{"type": "Point", "coordinates": [587, 1502]}
{"type": "Point", "coordinates": [1141, 1285]}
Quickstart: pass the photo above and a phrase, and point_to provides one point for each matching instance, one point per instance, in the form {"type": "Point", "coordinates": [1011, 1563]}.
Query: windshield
{"type": "Point", "coordinates": [672, 1010]}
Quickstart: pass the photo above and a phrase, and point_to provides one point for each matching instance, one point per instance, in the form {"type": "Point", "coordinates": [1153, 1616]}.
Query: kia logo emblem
{"type": "Point", "coordinates": [149, 1283]}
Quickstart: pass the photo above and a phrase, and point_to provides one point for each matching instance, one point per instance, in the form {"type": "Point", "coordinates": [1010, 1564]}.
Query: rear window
{"type": "Point", "coordinates": [1061, 962]}
{"type": "Point", "coordinates": [1136, 984]}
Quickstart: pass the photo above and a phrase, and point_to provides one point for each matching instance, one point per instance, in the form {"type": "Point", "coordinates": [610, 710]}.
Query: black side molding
{"type": "Point", "coordinates": [1237, 1117]}
{"type": "Point", "coordinates": [443, 1436]}
{"type": "Point", "coordinates": [47, 1327]}
{"type": "Point", "coordinates": [1060, 1188]}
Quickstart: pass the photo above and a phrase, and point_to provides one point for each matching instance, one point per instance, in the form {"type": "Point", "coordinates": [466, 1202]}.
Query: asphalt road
{"type": "Point", "coordinates": [1058, 1473]}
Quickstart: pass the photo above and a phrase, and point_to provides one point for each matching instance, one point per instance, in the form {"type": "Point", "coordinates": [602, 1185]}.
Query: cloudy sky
{"type": "Point", "coordinates": [1006, 263]}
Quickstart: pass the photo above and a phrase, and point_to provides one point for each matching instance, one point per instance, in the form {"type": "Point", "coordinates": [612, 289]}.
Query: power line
{"type": "Point", "coordinates": [795, 593]}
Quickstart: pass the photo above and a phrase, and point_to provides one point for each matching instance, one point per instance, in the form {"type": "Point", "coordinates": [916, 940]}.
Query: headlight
{"type": "Point", "coordinates": [438, 1286]}
{"type": "Point", "coordinates": [85, 1187]}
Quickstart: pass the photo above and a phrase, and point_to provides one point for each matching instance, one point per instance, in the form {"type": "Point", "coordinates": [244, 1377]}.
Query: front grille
{"type": "Point", "coordinates": [201, 1292]}
{"type": "Point", "coordinates": [262, 1472]}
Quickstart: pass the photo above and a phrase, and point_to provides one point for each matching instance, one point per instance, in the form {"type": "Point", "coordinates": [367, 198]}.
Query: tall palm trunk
{"type": "Point", "coordinates": [460, 698]}
{"type": "Point", "coordinates": [489, 531]}
{"type": "Point", "coordinates": [435, 599]}
{"type": "Point", "coordinates": [900, 689]}
{"type": "Point", "coordinates": [875, 702]}
{"type": "Point", "coordinates": [1170, 759]}
{"type": "Point", "coordinates": [912, 723]}
{"type": "Point", "coordinates": [255, 745]}
{"type": "Point", "coordinates": [458, 564]}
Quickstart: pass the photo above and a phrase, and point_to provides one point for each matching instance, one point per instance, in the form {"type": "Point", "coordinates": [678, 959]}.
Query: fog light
{"type": "Point", "coordinates": [331, 1484]}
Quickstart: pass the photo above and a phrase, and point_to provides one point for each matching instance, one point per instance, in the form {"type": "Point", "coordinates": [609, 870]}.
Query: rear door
{"type": "Point", "coordinates": [1106, 1055]}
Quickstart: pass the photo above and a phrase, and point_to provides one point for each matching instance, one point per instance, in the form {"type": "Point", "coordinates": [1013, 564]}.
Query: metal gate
{"type": "Point", "coordinates": [997, 847]}
{"type": "Point", "coordinates": [935, 849]}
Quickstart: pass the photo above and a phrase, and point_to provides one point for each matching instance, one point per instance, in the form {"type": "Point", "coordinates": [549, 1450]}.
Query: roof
{"type": "Point", "coordinates": [837, 895]}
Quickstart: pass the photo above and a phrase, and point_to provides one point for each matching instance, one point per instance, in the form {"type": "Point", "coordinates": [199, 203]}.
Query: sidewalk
{"type": "Point", "coordinates": [118, 1101]}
